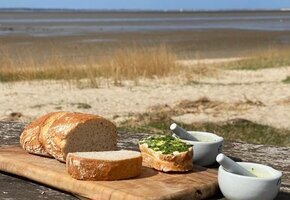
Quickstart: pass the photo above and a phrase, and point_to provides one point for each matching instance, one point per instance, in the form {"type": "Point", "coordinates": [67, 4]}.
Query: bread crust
{"type": "Point", "coordinates": [102, 170]}
{"type": "Point", "coordinates": [48, 134]}
{"type": "Point", "coordinates": [29, 138]}
{"type": "Point", "coordinates": [44, 130]}
{"type": "Point", "coordinates": [167, 162]}
{"type": "Point", "coordinates": [62, 126]}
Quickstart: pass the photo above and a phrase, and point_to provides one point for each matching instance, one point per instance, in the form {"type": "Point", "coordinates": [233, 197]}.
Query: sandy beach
{"type": "Point", "coordinates": [259, 96]}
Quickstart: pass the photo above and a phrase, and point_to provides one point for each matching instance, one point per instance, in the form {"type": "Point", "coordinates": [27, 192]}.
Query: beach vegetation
{"type": "Point", "coordinates": [122, 64]}
{"type": "Point", "coordinates": [286, 80]}
{"type": "Point", "coordinates": [237, 130]}
{"type": "Point", "coordinates": [271, 58]}
{"type": "Point", "coordinates": [158, 119]}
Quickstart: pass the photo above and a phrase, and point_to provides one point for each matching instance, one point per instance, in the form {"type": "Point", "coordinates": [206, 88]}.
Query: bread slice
{"type": "Point", "coordinates": [178, 161]}
{"type": "Point", "coordinates": [104, 165]}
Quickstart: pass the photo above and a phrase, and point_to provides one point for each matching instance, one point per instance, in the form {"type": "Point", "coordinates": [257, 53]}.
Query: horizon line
{"type": "Point", "coordinates": [136, 10]}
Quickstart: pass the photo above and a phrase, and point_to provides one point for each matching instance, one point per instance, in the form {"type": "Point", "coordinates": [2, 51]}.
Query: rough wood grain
{"type": "Point", "coordinates": [16, 188]}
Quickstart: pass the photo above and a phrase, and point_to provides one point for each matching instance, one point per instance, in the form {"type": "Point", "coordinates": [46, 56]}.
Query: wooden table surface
{"type": "Point", "coordinates": [13, 187]}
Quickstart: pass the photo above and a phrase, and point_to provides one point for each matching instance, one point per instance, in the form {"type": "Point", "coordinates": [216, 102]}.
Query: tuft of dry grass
{"type": "Point", "coordinates": [129, 63]}
{"type": "Point", "coordinates": [286, 80]}
{"type": "Point", "coordinates": [135, 62]}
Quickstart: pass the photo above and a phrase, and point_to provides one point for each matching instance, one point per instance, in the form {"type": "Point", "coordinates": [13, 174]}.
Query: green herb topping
{"type": "Point", "coordinates": [165, 144]}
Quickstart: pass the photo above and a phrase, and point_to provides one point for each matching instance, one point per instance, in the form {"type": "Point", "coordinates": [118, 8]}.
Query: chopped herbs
{"type": "Point", "coordinates": [165, 144]}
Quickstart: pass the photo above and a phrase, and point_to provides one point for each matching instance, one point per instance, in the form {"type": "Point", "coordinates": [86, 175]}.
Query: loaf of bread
{"type": "Point", "coordinates": [104, 165]}
{"type": "Point", "coordinates": [29, 139]}
{"type": "Point", "coordinates": [45, 126]}
{"type": "Point", "coordinates": [59, 133]}
{"type": "Point", "coordinates": [166, 153]}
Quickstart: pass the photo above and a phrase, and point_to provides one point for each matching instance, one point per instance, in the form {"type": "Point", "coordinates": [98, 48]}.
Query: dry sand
{"type": "Point", "coordinates": [259, 96]}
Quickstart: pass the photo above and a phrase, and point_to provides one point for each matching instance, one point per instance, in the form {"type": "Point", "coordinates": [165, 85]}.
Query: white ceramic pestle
{"type": "Point", "coordinates": [181, 133]}
{"type": "Point", "coordinates": [231, 166]}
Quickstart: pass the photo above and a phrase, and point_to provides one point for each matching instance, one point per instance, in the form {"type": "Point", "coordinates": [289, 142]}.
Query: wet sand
{"type": "Point", "coordinates": [186, 44]}
{"type": "Point", "coordinates": [81, 33]}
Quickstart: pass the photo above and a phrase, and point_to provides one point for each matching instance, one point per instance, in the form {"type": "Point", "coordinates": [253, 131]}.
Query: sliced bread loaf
{"type": "Point", "coordinates": [45, 126]}
{"type": "Point", "coordinates": [59, 133]}
{"type": "Point", "coordinates": [104, 165]}
{"type": "Point", "coordinates": [30, 137]}
{"type": "Point", "coordinates": [79, 132]}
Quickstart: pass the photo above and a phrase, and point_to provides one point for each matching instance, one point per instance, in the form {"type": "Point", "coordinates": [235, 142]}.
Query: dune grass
{"type": "Point", "coordinates": [140, 62]}
{"type": "Point", "coordinates": [266, 59]}
{"type": "Point", "coordinates": [129, 63]}
{"type": "Point", "coordinates": [287, 80]}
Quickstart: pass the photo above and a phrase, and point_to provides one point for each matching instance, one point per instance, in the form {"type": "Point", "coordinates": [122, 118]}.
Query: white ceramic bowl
{"type": "Point", "coordinates": [263, 187]}
{"type": "Point", "coordinates": [207, 147]}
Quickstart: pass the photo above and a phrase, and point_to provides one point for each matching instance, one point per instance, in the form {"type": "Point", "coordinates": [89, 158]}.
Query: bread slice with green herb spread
{"type": "Point", "coordinates": [166, 153]}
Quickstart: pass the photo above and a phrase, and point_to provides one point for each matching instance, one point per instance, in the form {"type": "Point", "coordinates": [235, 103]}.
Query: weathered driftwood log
{"type": "Point", "coordinates": [13, 187]}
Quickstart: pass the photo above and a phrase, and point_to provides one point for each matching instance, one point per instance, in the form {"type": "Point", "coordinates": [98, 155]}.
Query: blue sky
{"type": "Point", "coordinates": [147, 4]}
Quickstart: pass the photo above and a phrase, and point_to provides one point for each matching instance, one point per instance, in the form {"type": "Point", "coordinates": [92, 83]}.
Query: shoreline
{"type": "Point", "coordinates": [82, 34]}
{"type": "Point", "coordinates": [185, 44]}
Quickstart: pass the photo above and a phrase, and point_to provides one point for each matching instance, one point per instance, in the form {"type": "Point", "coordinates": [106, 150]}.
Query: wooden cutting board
{"type": "Point", "coordinates": [198, 184]}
